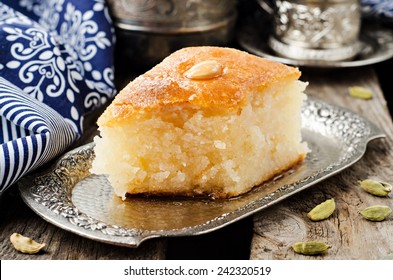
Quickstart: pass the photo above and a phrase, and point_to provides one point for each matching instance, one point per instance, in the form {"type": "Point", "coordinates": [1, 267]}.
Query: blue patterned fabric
{"type": "Point", "coordinates": [378, 9]}
{"type": "Point", "coordinates": [56, 65]}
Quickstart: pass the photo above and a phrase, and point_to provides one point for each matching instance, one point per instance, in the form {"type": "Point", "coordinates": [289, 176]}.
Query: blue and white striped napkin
{"type": "Point", "coordinates": [56, 65]}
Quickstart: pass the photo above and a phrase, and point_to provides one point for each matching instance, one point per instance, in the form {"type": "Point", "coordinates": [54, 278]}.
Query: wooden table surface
{"type": "Point", "coordinates": [267, 234]}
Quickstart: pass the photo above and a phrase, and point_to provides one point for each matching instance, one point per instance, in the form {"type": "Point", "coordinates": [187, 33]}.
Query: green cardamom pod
{"type": "Point", "coordinates": [376, 213]}
{"type": "Point", "coordinates": [310, 247]}
{"type": "Point", "coordinates": [375, 187]}
{"type": "Point", "coordinates": [360, 92]}
{"type": "Point", "coordinates": [322, 211]}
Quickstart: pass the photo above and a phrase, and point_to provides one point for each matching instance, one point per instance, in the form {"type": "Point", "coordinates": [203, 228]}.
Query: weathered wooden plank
{"type": "Point", "coordinates": [350, 235]}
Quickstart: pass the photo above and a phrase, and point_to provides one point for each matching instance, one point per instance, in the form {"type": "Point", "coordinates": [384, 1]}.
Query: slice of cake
{"type": "Point", "coordinates": [205, 121]}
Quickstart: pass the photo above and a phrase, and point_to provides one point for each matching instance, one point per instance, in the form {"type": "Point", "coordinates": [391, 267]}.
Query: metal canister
{"type": "Point", "coordinates": [315, 29]}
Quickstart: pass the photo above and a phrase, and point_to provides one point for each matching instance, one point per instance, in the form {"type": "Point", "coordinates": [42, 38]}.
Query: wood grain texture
{"type": "Point", "coordinates": [349, 234]}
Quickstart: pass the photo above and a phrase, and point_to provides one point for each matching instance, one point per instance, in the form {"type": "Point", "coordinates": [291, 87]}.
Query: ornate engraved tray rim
{"type": "Point", "coordinates": [325, 127]}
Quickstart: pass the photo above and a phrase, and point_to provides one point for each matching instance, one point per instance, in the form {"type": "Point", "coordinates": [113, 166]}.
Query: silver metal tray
{"type": "Point", "coordinates": [70, 197]}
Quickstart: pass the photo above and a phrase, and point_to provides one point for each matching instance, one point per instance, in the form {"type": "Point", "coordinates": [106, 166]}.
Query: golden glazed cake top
{"type": "Point", "coordinates": [207, 77]}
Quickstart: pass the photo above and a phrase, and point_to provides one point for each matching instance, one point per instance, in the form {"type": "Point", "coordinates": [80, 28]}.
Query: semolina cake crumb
{"type": "Point", "coordinates": [219, 136]}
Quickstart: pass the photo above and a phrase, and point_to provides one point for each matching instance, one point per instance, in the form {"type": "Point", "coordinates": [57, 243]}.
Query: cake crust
{"type": "Point", "coordinates": [229, 91]}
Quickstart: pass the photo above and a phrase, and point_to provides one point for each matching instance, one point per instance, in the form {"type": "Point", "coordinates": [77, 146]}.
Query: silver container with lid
{"type": "Point", "coordinates": [325, 30]}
